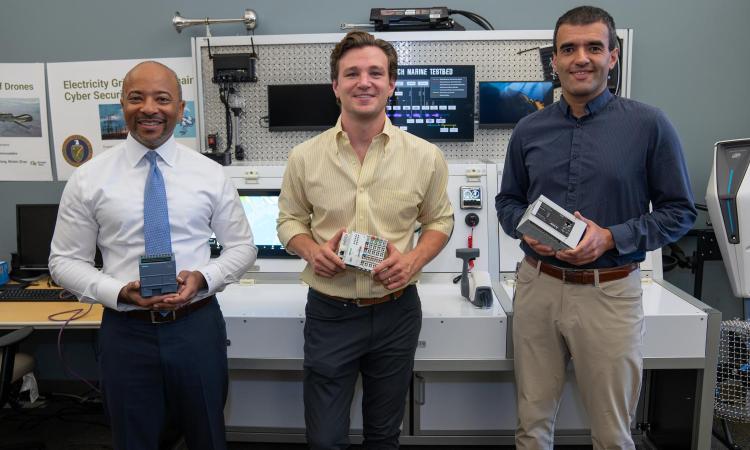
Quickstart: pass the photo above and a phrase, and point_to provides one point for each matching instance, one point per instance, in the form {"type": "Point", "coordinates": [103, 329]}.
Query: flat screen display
{"type": "Point", "coordinates": [504, 103]}
{"type": "Point", "coordinates": [35, 226]}
{"type": "Point", "coordinates": [301, 107]}
{"type": "Point", "coordinates": [434, 102]}
{"type": "Point", "coordinates": [262, 209]}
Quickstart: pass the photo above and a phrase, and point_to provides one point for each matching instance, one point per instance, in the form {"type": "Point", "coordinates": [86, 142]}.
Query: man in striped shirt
{"type": "Point", "coordinates": [363, 175]}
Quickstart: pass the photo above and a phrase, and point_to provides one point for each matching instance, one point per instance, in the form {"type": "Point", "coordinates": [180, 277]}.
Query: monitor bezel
{"type": "Point", "coordinates": [494, 125]}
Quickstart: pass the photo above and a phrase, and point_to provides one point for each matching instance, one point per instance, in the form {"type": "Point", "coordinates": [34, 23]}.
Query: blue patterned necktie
{"type": "Point", "coordinates": [156, 232]}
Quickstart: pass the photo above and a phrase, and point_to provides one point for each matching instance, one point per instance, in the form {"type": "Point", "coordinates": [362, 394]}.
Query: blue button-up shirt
{"type": "Point", "coordinates": [608, 165]}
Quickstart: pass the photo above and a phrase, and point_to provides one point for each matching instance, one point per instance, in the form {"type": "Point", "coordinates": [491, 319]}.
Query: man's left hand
{"type": "Point", "coordinates": [396, 270]}
{"type": "Point", "coordinates": [188, 284]}
{"type": "Point", "coordinates": [596, 240]}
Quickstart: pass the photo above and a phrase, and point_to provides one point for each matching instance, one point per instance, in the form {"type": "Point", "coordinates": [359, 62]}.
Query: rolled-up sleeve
{"type": "Point", "coordinates": [437, 213]}
{"type": "Point", "coordinates": [294, 208]}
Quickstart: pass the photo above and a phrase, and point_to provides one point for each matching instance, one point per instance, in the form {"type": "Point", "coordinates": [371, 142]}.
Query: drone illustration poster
{"type": "Point", "coordinates": [24, 142]}
{"type": "Point", "coordinates": [86, 113]}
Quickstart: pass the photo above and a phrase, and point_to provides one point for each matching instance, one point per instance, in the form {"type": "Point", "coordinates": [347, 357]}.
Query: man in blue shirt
{"type": "Point", "coordinates": [604, 158]}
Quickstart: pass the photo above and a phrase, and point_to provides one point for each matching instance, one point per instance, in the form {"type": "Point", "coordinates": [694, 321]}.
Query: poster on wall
{"type": "Point", "coordinates": [85, 108]}
{"type": "Point", "coordinates": [24, 142]}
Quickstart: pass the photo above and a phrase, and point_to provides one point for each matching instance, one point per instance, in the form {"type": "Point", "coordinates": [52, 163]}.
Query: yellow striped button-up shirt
{"type": "Point", "coordinates": [401, 182]}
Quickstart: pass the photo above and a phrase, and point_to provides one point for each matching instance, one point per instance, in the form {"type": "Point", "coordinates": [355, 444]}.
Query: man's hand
{"type": "Point", "coordinates": [538, 247]}
{"type": "Point", "coordinates": [323, 258]}
{"type": "Point", "coordinates": [397, 269]}
{"type": "Point", "coordinates": [188, 284]}
{"type": "Point", "coordinates": [131, 294]}
{"type": "Point", "coordinates": [596, 240]}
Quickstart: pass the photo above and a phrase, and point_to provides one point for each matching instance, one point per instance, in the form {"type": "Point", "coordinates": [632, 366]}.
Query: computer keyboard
{"type": "Point", "coordinates": [36, 295]}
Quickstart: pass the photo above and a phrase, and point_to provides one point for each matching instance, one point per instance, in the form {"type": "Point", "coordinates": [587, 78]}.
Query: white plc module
{"type": "Point", "coordinates": [362, 251]}
{"type": "Point", "coordinates": [548, 223]}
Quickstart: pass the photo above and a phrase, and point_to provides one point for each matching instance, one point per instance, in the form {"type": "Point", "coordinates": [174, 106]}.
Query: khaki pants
{"type": "Point", "coordinates": [600, 327]}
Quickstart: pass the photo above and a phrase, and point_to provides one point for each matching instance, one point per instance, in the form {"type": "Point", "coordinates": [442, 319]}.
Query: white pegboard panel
{"type": "Point", "coordinates": [508, 58]}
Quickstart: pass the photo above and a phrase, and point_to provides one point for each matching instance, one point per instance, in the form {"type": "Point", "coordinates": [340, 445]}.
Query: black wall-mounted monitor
{"type": "Point", "coordinates": [262, 209]}
{"type": "Point", "coordinates": [301, 107]}
{"type": "Point", "coordinates": [434, 102]}
{"type": "Point", "coordinates": [503, 103]}
{"type": "Point", "coordinates": [35, 226]}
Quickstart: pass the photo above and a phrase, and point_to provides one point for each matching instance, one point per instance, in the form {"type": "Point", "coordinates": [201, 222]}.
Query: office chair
{"type": "Point", "coordinates": [13, 365]}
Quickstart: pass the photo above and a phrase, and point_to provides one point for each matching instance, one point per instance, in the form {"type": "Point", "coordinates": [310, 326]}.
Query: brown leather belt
{"type": "Point", "coordinates": [583, 276]}
{"type": "Point", "coordinates": [155, 316]}
{"type": "Point", "coordinates": [366, 301]}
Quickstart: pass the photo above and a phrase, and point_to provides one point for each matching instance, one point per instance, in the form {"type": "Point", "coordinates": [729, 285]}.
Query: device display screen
{"type": "Point", "coordinates": [262, 209]}
{"type": "Point", "coordinates": [435, 103]}
{"type": "Point", "coordinates": [504, 103]}
{"type": "Point", "coordinates": [554, 219]}
{"type": "Point", "coordinates": [471, 197]}
{"type": "Point", "coordinates": [301, 107]}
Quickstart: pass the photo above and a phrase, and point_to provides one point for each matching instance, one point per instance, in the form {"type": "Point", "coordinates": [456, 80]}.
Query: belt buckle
{"type": "Point", "coordinates": [157, 317]}
{"type": "Point", "coordinates": [358, 302]}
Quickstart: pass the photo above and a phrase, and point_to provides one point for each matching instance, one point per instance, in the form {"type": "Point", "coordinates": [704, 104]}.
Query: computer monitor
{"type": "Point", "coordinates": [262, 209]}
{"type": "Point", "coordinates": [503, 103]}
{"type": "Point", "coordinates": [434, 102]}
{"type": "Point", "coordinates": [301, 107]}
{"type": "Point", "coordinates": [35, 226]}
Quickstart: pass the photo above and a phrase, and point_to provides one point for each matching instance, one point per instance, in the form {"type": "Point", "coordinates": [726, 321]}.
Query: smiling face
{"type": "Point", "coordinates": [152, 103]}
{"type": "Point", "coordinates": [582, 60]}
{"type": "Point", "coordinates": [363, 84]}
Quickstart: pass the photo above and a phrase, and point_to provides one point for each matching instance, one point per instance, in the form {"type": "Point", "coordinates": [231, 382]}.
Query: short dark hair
{"type": "Point", "coordinates": [358, 39]}
{"type": "Point", "coordinates": [586, 15]}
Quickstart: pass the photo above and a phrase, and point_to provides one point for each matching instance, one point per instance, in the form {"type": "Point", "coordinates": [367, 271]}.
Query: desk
{"type": "Point", "coordinates": [36, 314]}
{"type": "Point", "coordinates": [79, 337]}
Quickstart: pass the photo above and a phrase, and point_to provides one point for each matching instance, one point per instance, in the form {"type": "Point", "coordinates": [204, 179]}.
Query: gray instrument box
{"type": "Point", "coordinates": [362, 251]}
{"type": "Point", "coordinates": [550, 224]}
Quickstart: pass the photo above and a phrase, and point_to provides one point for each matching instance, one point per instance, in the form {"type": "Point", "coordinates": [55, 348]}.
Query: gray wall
{"type": "Point", "coordinates": [689, 57]}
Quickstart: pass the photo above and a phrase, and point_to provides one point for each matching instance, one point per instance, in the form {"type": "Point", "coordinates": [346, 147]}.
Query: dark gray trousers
{"type": "Point", "coordinates": [343, 340]}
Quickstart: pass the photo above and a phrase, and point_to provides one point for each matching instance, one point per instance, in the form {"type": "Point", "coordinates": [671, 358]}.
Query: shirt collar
{"type": "Point", "coordinates": [135, 151]}
{"type": "Point", "coordinates": [389, 130]}
{"type": "Point", "coordinates": [593, 106]}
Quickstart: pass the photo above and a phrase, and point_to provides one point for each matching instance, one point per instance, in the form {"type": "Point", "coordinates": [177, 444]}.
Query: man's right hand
{"type": "Point", "coordinates": [538, 247]}
{"type": "Point", "coordinates": [131, 294]}
{"type": "Point", "coordinates": [323, 258]}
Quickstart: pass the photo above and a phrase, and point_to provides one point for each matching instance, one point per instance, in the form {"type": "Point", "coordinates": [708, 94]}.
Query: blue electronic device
{"type": "Point", "coordinates": [158, 275]}
{"type": "Point", "coordinates": [4, 273]}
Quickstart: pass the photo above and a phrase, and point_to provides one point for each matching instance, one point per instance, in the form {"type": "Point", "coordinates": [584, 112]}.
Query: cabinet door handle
{"type": "Point", "coordinates": [419, 389]}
